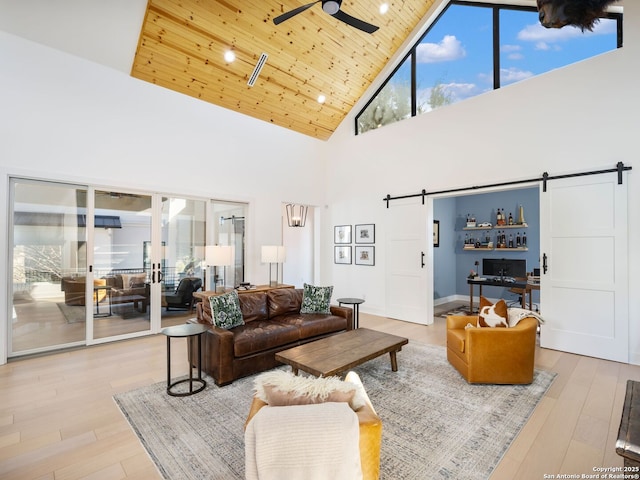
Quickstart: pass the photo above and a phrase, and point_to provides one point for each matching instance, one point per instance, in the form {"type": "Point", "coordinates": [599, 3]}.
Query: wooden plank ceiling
{"type": "Point", "coordinates": [182, 46]}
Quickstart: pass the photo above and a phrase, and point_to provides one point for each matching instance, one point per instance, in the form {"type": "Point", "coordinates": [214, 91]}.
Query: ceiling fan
{"type": "Point", "coordinates": [332, 7]}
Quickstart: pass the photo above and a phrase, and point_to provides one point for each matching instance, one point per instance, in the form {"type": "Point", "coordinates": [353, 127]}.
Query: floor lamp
{"type": "Point", "coordinates": [219, 256]}
{"type": "Point", "coordinates": [273, 254]}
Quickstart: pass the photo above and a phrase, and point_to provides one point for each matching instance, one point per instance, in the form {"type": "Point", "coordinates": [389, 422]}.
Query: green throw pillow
{"type": "Point", "coordinates": [225, 310]}
{"type": "Point", "coordinates": [316, 299]}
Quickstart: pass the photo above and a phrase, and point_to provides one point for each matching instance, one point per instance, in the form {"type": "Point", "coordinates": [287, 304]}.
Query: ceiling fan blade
{"type": "Point", "coordinates": [355, 22]}
{"type": "Point", "coordinates": [287, 15]}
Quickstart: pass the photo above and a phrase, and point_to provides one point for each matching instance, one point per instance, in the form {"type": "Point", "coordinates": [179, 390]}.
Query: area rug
{"type": "Point", "coordinates": [72, 313]}
{"type": "Point", "coordinates": [435, 425]}
{"type": "Point", "coordinates": [457, 310]}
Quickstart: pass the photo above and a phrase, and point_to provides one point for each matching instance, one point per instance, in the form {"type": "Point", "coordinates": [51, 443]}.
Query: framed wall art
{"type": "Point", "coordinates": [366, 233]}
{"type": "Point", "coordinates": [342, 234]}
{"type": "Point", "coordinates": [436, 233]}
{"type": "Point", "coordinates": [342, 255]}
{"type": "Point", "coordinates": [366, 255]}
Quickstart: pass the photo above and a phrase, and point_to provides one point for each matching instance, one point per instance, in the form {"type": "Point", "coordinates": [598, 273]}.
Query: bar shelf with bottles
{"type": "Point", "coordinates": [510, 242]}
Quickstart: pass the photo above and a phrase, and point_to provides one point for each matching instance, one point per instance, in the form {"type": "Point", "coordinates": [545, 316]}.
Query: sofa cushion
{"type": "Point", "coordinates": [261, 335]}
{"type": "Point", "coordinates": [491, 315]}
{"type": "Point", "coordinates": [284, 300]}
{"type": "Point", "coordinates": [254, 306]}
{"type": "Point", "coordinates": [314, 324]}
{"type": "Point", "coordinates": [225, 310]}
{"type": "Point", "coordinates": [316, 299]}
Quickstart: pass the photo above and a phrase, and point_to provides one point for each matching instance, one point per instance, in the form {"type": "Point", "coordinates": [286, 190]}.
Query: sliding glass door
{"type": "Point", "coordinates": [49, 262]}
{"type": "Point", "coordinates": [121, 280]}
{"type": "Point", "coordinates": [229, 229]}
{"type": "Point", "coordinates": [183, 233]}
{"type": "Point", "coordinates": [92, 265]}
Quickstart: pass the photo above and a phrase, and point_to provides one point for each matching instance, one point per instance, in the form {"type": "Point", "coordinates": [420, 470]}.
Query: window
{"type": "Point", "coordinates": [454, 57]}
{"type": "Point", "coordinates": [474, 48]}
{"type": "Point", "coordinates": [528, 49]}
{"type": "Point", "coordinates": [392, 103]}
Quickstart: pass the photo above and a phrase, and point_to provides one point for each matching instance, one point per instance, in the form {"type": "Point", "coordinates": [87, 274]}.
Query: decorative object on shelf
{"type": "Point", "coordinates": [342, 255]}
{"type": "Point", "coordinates": [219, 256]}
{"type": "Point", "coordinates": [366, 233]}
{"type": "Point", "coordinates": [296, 215]}
{"type": "Point", "coordinates": [436, 233]}
{"type": "Point", "coordinates": [471, 221]}
{"type": "Point", "coordinates": [273, 254]}
{"type": "Point", "coordinates": [521, 215]}
{"type": "Point", "coordinates": [366, 255]}
{"type": "Point", "coordinates": [342, 234]}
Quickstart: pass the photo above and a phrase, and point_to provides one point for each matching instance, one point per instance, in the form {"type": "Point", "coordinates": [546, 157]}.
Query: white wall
{"type": "Point", "coordinates": [298, 267]}
{"type": "Point", "coordinates": [579, 118]}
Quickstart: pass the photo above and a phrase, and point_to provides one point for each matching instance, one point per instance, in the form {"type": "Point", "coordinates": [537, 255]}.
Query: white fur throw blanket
{"type": "Point", "coordinates": [303, 442]}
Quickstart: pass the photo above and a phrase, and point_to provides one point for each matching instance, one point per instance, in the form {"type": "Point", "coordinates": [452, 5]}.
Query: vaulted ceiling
{"type": "Point", "coordinates": [183, 42]}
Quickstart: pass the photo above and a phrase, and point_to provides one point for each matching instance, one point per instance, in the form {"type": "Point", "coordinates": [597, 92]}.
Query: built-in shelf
{"type": "Point", "coordinates": [497, 227]}
{"type": "Point", "coordinates": [514, 249]}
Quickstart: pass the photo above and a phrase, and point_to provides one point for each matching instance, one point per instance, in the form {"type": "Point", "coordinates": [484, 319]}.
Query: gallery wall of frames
{"type": "Point", "coordinates": [363, 250]}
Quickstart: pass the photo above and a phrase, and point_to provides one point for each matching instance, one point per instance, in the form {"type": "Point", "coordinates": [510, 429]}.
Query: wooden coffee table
{"type": "Point", "coordinates": [339, 353]}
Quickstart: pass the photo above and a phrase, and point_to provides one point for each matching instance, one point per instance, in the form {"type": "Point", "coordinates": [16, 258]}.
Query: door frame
{"type": "Point", "coordinates": [463, 193]}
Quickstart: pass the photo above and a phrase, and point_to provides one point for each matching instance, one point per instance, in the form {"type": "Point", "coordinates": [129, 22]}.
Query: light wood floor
{"type": "Point", "coordinates": [58, 419]}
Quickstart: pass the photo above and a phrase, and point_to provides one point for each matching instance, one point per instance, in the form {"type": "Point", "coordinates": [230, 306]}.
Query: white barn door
{"type": "Point", "coordinates": [583, 243]}
{"type": "Point", "coordinates": [406, 252]}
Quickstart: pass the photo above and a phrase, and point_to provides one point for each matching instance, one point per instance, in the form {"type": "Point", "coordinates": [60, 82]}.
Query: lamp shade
{"type": "Point", "coordinates": [219, 255]}
{"type": "Point", "coordinates": [273, 254]}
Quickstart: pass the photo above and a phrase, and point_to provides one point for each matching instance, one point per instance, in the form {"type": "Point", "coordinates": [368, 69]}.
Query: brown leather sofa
{"type": "Point", "coordinates": [74, 290]}
{"type": "Point", "coordinates": [273, 323]}
{"type": "Point", "coordinates": [124, 288]}
{"type": "Point", "coordinates": [492, 355]}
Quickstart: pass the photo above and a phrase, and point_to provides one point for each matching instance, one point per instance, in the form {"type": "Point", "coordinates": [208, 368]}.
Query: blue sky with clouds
{"type": "Point", "coordinates": [457, 51]}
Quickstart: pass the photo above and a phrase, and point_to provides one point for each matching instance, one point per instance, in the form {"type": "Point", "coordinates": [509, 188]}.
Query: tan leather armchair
{"type": "Point", "coordinates": [370, 432]}
{"type": "Point", "coordinates": [492, 355]}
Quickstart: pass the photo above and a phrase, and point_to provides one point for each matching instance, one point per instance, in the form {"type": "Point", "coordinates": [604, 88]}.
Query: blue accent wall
{"type": "Point", "coordinates": [444, 256]}
{"type": "Point", "coordinates": [452, 264]}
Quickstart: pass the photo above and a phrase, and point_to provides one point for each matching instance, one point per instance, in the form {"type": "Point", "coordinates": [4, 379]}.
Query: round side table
{"type": "Point", "coordinates": [355, 302]}
{"type": "Point", "coordinates": [188, 331]}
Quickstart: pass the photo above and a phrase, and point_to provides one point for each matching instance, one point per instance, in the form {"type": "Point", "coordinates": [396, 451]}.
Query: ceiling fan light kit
{"type": "Point", "coordinates": [331, 7]}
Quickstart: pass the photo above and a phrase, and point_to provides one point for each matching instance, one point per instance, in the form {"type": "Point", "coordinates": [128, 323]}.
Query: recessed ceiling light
{"type": "Point", "coordinates": [384, 8]}
{"type": "Point", "coordinates": [321, 98]}
{"type": "Point", "coordinates": [229, 56]}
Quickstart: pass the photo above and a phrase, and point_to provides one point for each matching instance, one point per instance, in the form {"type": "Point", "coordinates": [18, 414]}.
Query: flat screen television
{"type": "Point", "coordinates": [504, 267]}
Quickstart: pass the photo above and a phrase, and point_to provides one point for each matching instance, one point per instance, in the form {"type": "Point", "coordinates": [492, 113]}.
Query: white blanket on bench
{"type": "Point", "coordinates": [305, 442]}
